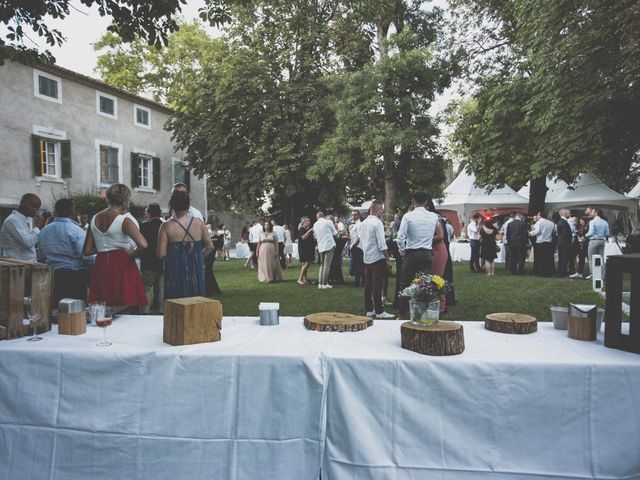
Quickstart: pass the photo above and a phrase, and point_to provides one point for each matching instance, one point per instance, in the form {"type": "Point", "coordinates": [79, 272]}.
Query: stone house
{"type": "Point", "coordinates": [63, 133]}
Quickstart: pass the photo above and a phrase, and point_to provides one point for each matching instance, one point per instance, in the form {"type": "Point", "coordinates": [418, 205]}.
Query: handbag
{"type": "Point", "coordinates": [497, 248]}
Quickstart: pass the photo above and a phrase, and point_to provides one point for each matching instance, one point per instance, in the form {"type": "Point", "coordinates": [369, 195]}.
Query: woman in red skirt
{"type": "Point", "coordinates": [113, 234]}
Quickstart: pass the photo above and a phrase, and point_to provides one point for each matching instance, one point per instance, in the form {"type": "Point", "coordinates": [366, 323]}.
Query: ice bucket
{"type": "Point", "coordinates": [269, 313]}
{"type": "Point", "coordinates": [581, 322]}
{"type": "Point", "coordinates": [70, 305]}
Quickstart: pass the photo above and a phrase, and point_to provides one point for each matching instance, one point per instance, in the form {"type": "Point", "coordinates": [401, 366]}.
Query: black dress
{"type": "Point", "coordinates": [306, 248]}
{"type": "Point", "coordinates": [488, 243]}
{"type": "Point", "coordinates": [335, 270]}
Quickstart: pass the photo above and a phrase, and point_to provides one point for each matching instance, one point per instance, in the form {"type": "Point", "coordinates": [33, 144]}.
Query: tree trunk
{"type": "Point", "coordinates": [390, 185]}
{"type": "Point", "coordinates": [537, 194]}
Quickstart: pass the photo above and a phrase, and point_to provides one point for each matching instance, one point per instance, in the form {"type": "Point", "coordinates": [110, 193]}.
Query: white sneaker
{"type": "Point", "coordinates": [385, 316]}
{"type": "Point", "coordinates": [576, 275]}
{"type": "Point", "coordinates": [589, 277]}
{"type": "Point", "coordinates": [328, 286]}
{"type": "Point", "coordinates": [371, 314]}
{"type": "Point", "coordinates": [320, 286]}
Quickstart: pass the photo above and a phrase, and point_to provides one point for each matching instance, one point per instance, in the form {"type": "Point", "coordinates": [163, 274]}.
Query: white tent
{"type": "Point", "coordinates": [555, 188]}
{"type": "Point", "coordinates": [635, 192]}
{"type": "Point", "coordinates": [588, 190]}
{"type": "Point", "coordinates": [465, 197]}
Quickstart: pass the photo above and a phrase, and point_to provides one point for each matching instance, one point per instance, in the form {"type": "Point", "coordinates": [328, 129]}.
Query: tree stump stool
{"type": "Point", "coordinates": [336, 322]}
{"type": "Point", "coordinates": [516, 323]}
{"type": "Point", "coordinates": [443, 338]}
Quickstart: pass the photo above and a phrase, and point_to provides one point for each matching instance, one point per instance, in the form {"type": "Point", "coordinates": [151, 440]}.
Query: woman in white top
{"type": "Point", "coordinates": [116, 279]}
{"type": "Point", "coordinates": [288, 247]}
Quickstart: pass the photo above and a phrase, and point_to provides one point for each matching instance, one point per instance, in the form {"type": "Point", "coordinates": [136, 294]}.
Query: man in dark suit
{"type": "Point", "coordinates": [517, 238]}
{"type": "Point", "coordinates": [564, 238]}
{"type": "Point", "coordinates": [151, 267]}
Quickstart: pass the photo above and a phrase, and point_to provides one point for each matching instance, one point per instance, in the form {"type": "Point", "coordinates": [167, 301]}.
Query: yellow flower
{"type": "Point", "coordinates": [439, 281]}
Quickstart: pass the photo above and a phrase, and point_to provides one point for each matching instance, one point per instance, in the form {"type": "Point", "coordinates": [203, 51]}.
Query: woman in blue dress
{"type": "Point", "coordinates": [183, 242]}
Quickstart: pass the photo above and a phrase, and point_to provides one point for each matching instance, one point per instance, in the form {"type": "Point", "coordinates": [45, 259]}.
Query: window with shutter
{"type": "Point", "coordinates": [109, 167]}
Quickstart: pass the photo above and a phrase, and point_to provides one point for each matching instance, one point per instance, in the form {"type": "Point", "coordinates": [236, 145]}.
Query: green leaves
{"type": "Point", "coordinates": [559, 97]}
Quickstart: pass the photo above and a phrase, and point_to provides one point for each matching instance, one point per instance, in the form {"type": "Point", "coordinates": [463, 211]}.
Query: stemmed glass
{"type": "Point", "coordinates": [33, 319]}
{"type": "Point", "coordinates": [103, 322]}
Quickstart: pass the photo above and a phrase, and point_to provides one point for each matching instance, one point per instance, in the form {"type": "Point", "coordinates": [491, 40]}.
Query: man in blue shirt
{"type": "Point", "coordinates": [61, 247]}
{"type": "Point", "coordinates": [598, 233]}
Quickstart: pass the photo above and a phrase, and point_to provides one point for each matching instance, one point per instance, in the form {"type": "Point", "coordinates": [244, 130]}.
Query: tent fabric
{"type": "Point", "coordinates": [465, 197]}
{"type": "Point", "coordinates": [555, 188]}
{"type": "Point", "coordinates": [589, 190]}
{"type": "Point", "coordinates": [635, 192]}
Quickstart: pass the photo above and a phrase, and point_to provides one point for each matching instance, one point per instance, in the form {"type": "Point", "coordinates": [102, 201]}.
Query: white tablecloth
{"type": "Point", "coordinates": [242, 250]}
{"type": "Point", "coordinates": [265, 401]}
{"type": "Point", "coordinates": [461, 252]}
{"type": "Point", "coordinates": [611, 249]}
{"type": "Point", "coordinates": [248, 407]}
{"type": "Point", "coordinates": [510, 407]}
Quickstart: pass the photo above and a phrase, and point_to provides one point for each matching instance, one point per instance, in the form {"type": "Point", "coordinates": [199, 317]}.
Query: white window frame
{"type": "Point", "coordinates": [36, 86]}
{"type": "Point", "coordinates": [175, 160]}
{"type": "Point", "coordinates": [115, 105]}
{"type": "Point", "coordinates": [106, 143]}
{"type": "Point", "coordinates": [56, 136]}
{"type": "Point", "coordinates": [148, 154]}
{"type": "Point", "coordinates": [56, 158]}
{"type": "Point", "coordinates": [135, 116]}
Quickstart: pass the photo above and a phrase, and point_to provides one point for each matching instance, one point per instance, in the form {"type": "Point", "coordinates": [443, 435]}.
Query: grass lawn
{"type": "Point", "coordinates": [477, 295]}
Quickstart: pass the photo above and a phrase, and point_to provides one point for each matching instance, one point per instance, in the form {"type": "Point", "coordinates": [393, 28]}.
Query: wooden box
{"type": "Point", "coordinates": [192, 320]}
{"type": "Point", "coordinates": [72, 323]}
{"type": "Point", "coordinates": [18, 279]}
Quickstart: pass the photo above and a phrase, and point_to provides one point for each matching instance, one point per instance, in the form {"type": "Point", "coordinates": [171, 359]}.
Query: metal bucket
{"type": "Point", "coordinates": [269, 313]}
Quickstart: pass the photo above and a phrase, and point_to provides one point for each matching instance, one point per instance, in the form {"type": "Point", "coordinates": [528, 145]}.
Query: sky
{"type": "Point", "coordinates": [84, 26]}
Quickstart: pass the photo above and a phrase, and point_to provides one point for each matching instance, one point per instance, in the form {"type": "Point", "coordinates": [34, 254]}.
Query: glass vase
{"type": "Point", "coordinates": [424, 313]}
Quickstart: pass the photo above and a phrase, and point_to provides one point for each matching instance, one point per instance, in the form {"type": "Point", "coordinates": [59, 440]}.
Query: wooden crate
{"type": "Point", "coordinates": [192, 320]}
{"type": "Point", "coordinates": [18, 279]}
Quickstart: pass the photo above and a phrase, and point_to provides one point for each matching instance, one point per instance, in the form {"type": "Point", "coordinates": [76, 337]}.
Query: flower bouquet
{"type": "Point", "coordinates": [424, 298]}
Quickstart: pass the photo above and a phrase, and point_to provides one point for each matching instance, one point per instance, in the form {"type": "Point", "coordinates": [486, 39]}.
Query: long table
{"type": "Point", "coordinates": [282, 402]}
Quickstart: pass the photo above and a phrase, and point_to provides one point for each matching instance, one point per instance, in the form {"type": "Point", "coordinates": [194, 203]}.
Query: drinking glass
{"type": "Point", "coordinates": [96, 310]}
{"type": "Point", "coordinates": [103, 322]}
{"type": "Point", "coordinates": [34, 318]}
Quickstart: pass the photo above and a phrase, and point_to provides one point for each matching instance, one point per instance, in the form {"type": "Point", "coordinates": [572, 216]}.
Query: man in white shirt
{"type": "Point", "coordinates": [254, 237]}
{"type": "Point", "coordinates": [193, 211]}
{"type": "Point", "coordinates": [543, 250]}
{"type": "Point", "coordinates": [18, 235]}
{"type": "Point", "coordinates": [376, 261]}
{"type": "Point", "coordinates": [324, 232]}
{"type": "Point", "coordinates": [278, 230]}
{"type": "Point", "coordinates": [357, 264]}
{"type": "Point", "coordinates": [474, 242]}
{"type": "Point", "coordinates": [415, 239]}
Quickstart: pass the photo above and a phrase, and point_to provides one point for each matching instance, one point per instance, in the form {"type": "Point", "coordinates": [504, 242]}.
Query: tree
{"type": "Point", "coordinates": [162, 71]}
{"type": "Point", "coordinates": [148, 19]}
{"type": "Point", "coordinates": [258, 111]}
{"type": "Point", "coordinates": [385, 137]}
{"type": "Point", "coordinates": [562, 94]}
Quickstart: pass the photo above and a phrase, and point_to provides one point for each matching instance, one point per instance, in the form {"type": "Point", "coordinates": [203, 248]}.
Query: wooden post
{"type": "Point", "coordinates": [443, 338]}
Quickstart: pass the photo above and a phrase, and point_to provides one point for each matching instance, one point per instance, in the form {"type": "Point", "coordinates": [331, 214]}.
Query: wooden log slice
{"type": "Point", "coordinates": [516, 323]}
{"type": "Point", "coordinates": [443, 338]}
{"type": "Point", "coordinates": [336, 322]}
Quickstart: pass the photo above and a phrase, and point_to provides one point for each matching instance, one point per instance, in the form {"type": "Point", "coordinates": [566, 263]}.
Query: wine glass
{"type": "Point", "coordinates": [96, 310]}
{"type": "Point", "coordinates": [104, 321]}
{"type": "Point", "coordinates": [34, 318]}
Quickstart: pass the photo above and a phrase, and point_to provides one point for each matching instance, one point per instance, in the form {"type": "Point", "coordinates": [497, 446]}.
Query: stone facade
{"type": "Point", "coordinates": [63, 133]}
